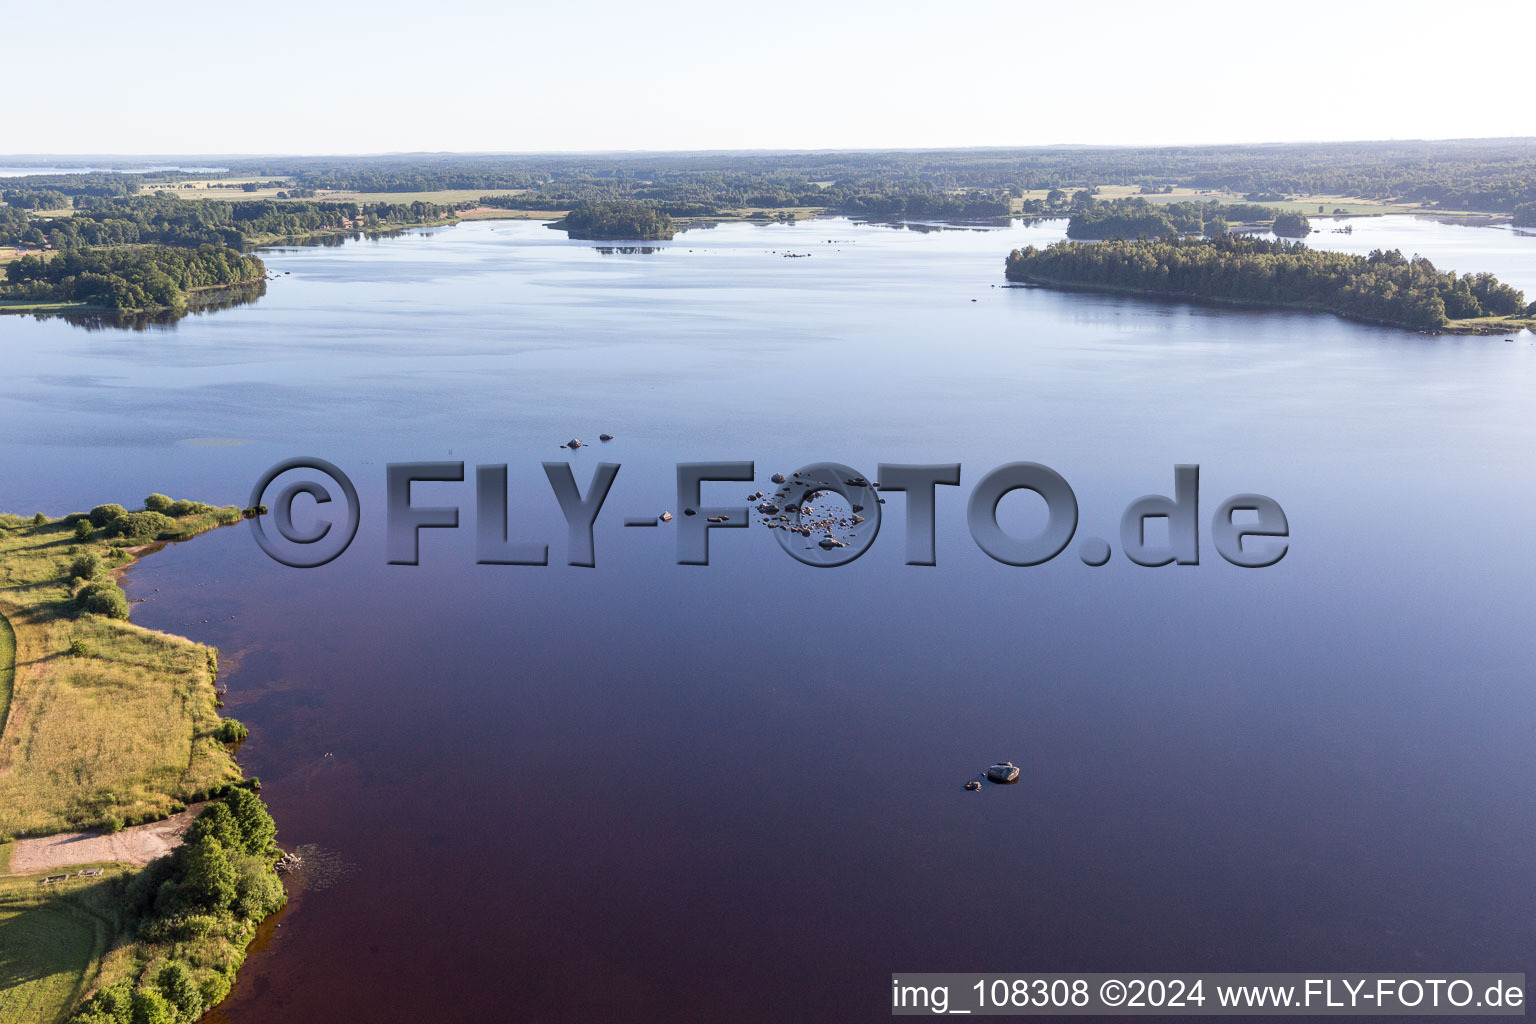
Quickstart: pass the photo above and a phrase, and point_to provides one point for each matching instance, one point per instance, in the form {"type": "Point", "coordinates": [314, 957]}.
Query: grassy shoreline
{"type": "Point", "coordinates": [52, 778]}
{"type": "Point", "coordinates": [111, 723]}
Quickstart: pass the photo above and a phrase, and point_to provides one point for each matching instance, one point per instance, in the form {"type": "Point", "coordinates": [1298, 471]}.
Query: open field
{"type": "Point", "coordinates": [51, 941]}
{"type": "Point", "coordinates": [497, 213]}
{"type": "Point", "coordinates": [108, 723]}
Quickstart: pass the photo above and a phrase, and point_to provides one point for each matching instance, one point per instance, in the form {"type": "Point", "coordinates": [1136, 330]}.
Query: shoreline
{"type": "Point", "coordinates": [49, 875]}
{"type": "Point", "coordinates": [1465, 329]}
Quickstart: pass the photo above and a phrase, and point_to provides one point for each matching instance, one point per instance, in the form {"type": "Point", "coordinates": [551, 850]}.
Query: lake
{"type": "Point", "coordinates": [648, 792]}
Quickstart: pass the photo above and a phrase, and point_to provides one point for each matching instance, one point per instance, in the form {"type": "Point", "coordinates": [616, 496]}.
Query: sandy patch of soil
{"type": "Point", "coordinates": [138, 844]}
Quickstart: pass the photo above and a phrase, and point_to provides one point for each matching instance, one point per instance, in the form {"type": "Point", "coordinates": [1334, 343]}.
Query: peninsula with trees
{"type": "Point", "coordinates": [1384, 287]}
{"type": "Point", "coordinates": [111, 751]}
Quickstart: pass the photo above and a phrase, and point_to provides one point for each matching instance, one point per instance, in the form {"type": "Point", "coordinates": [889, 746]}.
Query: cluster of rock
{"type": "Point", "coordinates": [802, 517]}
{"type": "Point", "coordinates": [1003, 773]}
{"type": "Point", "coordinates": [577, 442]}
{"type": "Point", "coordinates": [288, 862]}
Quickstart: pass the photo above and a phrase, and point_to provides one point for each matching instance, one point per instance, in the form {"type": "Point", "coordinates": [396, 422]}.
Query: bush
{"type": "Point", "coordinates": [86, 567]}
{"type": "Point", "coordinates": [111, 824]}
{"type": "Point", "coordinates": [101, 515]}
{"type": "Point", "coordinates": [256, 825]}
{"type": "Point", "coordinates": [232, 731]}
{"type": "Point", "coordinates": [103, 598]}
{"type": "Point", "coordinates": [150, 1007]}
{"type": "Point", "coordinates": [258, 892]}
{"type": "Point", "coordinates": [77, 648]}
{"type": "Point", "coordinates": [158, 502]}
{"type": "Point", "coordinates": [209, 876]}
{"type": "Point", "coordinates": [175, 982]}
{"type": "Point", "coordinates": [39, 520]}
{"type": "Point", "coordinates": [187, 508]}
{"type": "Point", "coordinates": [141, 525]}
{"type": "Point", "coordinates": [84, 530]}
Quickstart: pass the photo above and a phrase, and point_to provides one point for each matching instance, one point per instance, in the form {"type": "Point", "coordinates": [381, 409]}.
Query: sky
{"type": "Point", "coordinates": [320, 76]}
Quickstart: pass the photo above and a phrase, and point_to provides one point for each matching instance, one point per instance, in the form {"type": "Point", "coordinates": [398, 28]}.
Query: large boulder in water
{"type": "Point", "coordinates": [1003, 773]}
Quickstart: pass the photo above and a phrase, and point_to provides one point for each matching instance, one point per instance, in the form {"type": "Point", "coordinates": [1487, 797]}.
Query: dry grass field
{"type": "Point", "coordinates": [108, 723]}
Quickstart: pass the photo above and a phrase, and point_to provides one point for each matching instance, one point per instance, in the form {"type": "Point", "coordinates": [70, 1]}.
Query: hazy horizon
{"type": "Point", "coordinates": [683, 75]}
{"type": "Point", "coordinates": [189, 154]}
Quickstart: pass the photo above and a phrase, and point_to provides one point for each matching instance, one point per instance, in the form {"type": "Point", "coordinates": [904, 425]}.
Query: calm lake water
{"type": "Point", "coordinates": [650, 792]}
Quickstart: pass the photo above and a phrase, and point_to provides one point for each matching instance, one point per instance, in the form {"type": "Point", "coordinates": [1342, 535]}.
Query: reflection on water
{"type": "Point", "coordinates": [627, 250]}
{"type": "Point", "coordinates": [649, 792]}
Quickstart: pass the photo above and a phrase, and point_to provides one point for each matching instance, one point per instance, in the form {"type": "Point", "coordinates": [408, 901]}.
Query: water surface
{"type": "Point", "coordinates": [651, 792]}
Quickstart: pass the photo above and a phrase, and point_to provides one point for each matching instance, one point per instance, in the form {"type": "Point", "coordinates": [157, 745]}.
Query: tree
{"type": "Point", "coordinates": [175, 983]}
{"type": "Point", "coordinates": [150, 1007]}
{"type": "Point", "coordinates": [103, 598]}
{"type": "Point", "coordinates": [102, 515]}
{"type": "Point", "coordinates": [257, 829]}
{"type": "Point", "coordinates": [209, 878]}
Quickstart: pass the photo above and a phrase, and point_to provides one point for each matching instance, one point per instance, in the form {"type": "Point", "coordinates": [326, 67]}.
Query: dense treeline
{"type": "Point", "coordinates": [971, 205]}
{"type": "Point", "coordinates": [36, 199]}
{"type": "Point", "coordinates": [97, 184]}
{"type": "Point", "coordinates": [617, 219]}
{"type": "Point", "coordinates": [1136, 218]}
{"type": "Point", "coordinates": [128, 279]}
{"type": "Point", "coordinates": [166, 220]}
{"type": "Point", "coordinates": [192, 914]}
{"type": "Point", "coordinates": [1491, 174]}
{"type": "Point", "coordinates": [1525, 215]}
{"type": "Point", "coordinates": [1385, 287]}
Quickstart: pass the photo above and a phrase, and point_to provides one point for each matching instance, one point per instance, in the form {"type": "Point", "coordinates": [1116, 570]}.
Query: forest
{"type": "Point", "coordinates": [130, 279]}
{"type": "Point", "coordinates": [1384, 287]}
{"type": "Point", "coordinates": [1490, 175]}
{"type": "Point", "coordinates": [1136, 218]}
{"type": "Point", "coordinates": [166, 220]}
{"type": "Point", "coordinates": [616, 220]}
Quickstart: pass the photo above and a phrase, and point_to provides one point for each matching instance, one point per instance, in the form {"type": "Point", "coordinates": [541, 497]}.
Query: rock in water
{"type": "Point", "coordinates": [574, 442]}
{"type": "Point", "coordinates": [1003, 773]}
{"type": "Point", "coordinates": [666, 517]}
{"type": "Point", "coordinates": [777, 478]}
{"type": "Point", "coordinates": [973, 786]}
{"type": "Point", "coordinates": [605, 437]}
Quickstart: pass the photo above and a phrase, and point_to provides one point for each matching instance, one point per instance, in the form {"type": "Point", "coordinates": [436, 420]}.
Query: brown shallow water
{"type": "Point", "coordinates": [651, 792]}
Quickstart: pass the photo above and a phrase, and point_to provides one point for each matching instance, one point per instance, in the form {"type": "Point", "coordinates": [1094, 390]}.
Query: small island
{"type": "Point", "coordinates": [1384, 287]}
{"type": "Point", "coordinates": [1292, 225]}
{"type": "Point", "coordinates": [136, 861]}
{"type": "Point", "coordinates": [617, 220]}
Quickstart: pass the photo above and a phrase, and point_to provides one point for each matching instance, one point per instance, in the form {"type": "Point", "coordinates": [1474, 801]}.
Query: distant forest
{"type": "Point", "coordinates": [1489, 175]}
{"type": "Point", "coordinates": [1384, 287]}
{"type": "Point", "coordinates": [184, 222]}
{"type": "Point", "coordinates": [1136, 218]}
